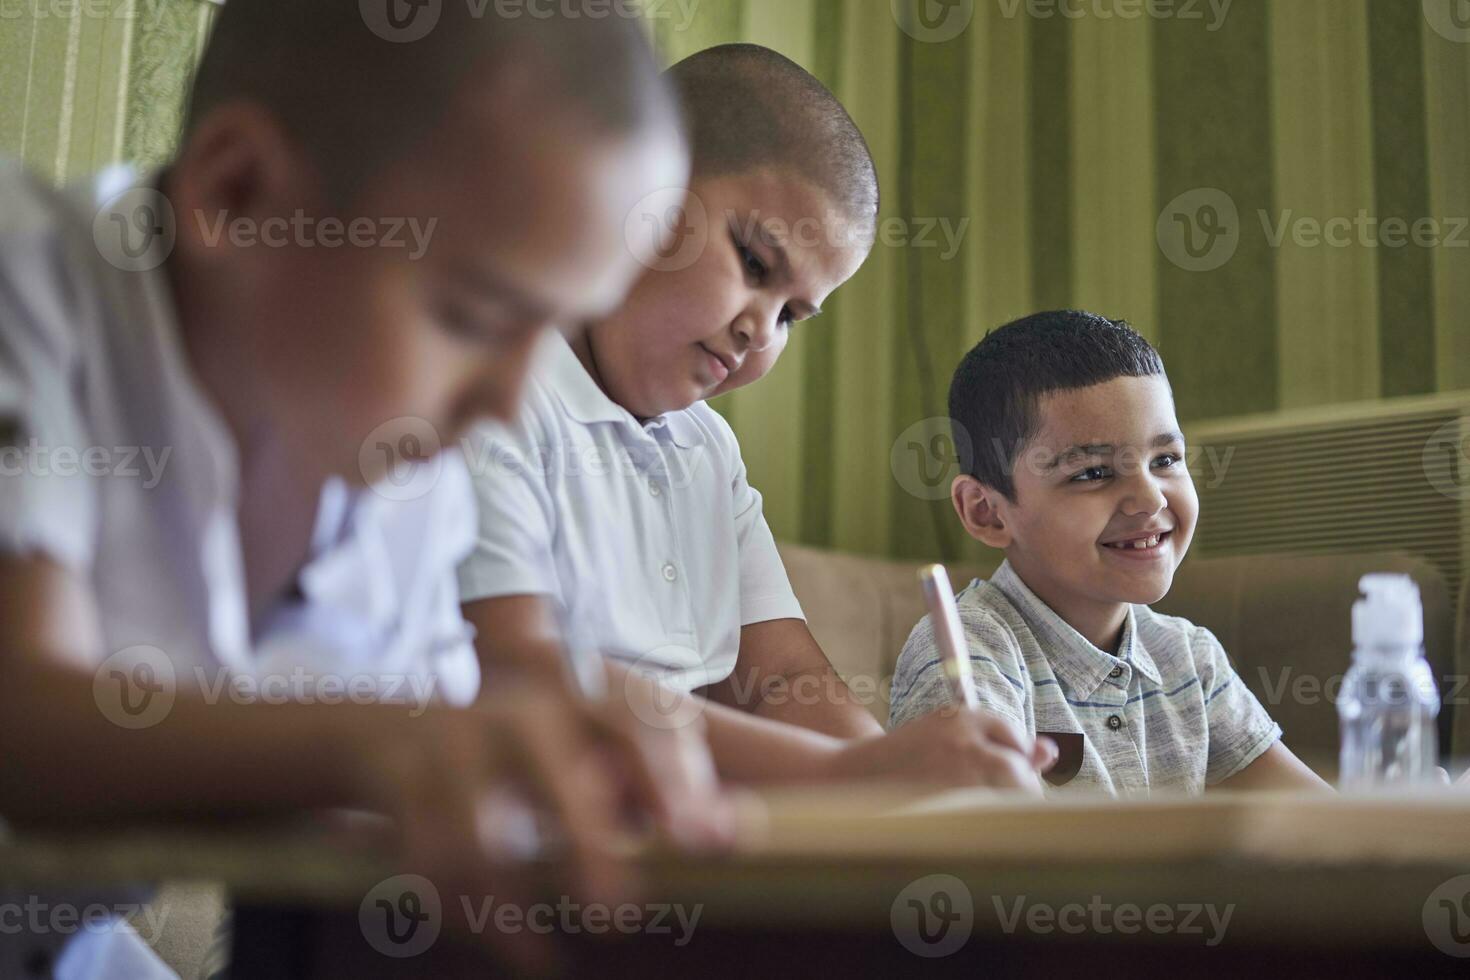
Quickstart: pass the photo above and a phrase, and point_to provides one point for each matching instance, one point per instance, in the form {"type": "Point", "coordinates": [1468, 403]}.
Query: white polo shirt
{"type": "Point", "coordinates": [646, 534]}
{"type": "Point", "coordinates": [116, 465]}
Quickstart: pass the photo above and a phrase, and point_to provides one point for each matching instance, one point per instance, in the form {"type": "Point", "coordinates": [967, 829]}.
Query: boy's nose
{"type": "Point", "coordinates": [757, 328]}
{"type": "Point", "coordinates": [1145, 496]}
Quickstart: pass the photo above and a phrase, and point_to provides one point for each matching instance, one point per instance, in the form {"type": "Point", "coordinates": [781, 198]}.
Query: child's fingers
{"type": "Point", "coordinates": [1004, 732]}
{"type": "Point", "coordinates": [443, 818]}
{"type": "Point", "coordinates": [560, 767]}
{"type": "Point", "coordinates": [1045, 753]}
{"type": "Point", "coordinates": [670, 774]}
{"type": "Point", "coordinates": [1009, 770]}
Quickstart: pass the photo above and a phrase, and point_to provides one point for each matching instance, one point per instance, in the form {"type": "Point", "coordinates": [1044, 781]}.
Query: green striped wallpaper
{"type": "Point", "coordinates": [1240, 179]}
{"type": "Point", "coordinates": [86, 83]}
{"type": "Point", "coordinates": [1274, 191]}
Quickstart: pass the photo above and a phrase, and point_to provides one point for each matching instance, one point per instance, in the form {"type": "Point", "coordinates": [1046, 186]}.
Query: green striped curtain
{"type": "Point", "coordinates": [87, 83]}
{"type": "Point", "coordinates": [1241, 180]}
{"type": "Point", "coordinates": [1245, 180]}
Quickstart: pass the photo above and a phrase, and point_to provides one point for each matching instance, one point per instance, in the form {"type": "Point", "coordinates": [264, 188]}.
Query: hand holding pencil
{"type": "Point", "coordinates": [949, 635]}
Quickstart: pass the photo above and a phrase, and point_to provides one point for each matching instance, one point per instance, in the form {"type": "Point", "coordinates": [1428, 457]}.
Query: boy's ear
{"type": "Point", "coordinates": [979, 507]}
{"type": "Point", "coordinates": [239, 163]}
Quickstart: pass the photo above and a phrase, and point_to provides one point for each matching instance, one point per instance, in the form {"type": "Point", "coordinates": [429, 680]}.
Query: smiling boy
{"type": "Point", "coordinates": [1073, 465]}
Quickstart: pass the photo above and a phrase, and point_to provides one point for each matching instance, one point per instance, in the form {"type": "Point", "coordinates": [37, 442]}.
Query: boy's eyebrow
{"type": "Point", "coordinates": [1072, 452]}
{"type": "Point", "coordinates": [494, 288]}
{"type": "Point", "coordinates": [1107, 448]}
{"type": "Point", "coordinates": [800, 308]}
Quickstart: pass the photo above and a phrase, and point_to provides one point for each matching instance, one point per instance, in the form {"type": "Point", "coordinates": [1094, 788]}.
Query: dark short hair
{"type": "Point", "coordinates": [997, 388]}
{"type": "Point", "coordinates": [747, 107]}
{"type": "Point", "coordinates": [354, 99]}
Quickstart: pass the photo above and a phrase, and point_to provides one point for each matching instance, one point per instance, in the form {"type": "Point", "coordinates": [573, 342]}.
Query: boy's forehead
{"type": "Point", "coordinates": [777, 189]}
{"type": "Point", "coordinates": [785, 207]}
{"type": "Point", "coordinates": [1121, 412]}
{"type": "Point", "coordinates": [786, 210]}
{"type": "Point", "coordinates": [543, 208]}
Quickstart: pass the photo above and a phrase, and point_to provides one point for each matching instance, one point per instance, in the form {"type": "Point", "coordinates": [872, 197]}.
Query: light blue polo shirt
{"type": "Point", "coordinates": [1167, 712]}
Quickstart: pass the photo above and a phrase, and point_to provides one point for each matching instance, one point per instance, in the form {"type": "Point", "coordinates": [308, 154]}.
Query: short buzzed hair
{"type": "Point", "coordinates": [747, 107]}
{"type": "Point", "coordinates": [997, 388]}
{"type": "Point", "coordinates": [354, 97]}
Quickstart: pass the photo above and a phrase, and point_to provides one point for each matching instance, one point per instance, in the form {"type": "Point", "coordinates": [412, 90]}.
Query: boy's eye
{"type": "Point", "coordinates": [457, 321]}
{"type": "Point", "coordinates": [752, 262]}
{"type": "Point", "coordinates": [1167, 460]}
{"type": "Point", "coordinates": [1092, 473]}
{"type": "Point", "coordinates": [786, 319]}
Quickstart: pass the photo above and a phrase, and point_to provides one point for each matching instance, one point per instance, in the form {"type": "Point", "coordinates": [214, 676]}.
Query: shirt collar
{"type": "Point", "coordinates": [584, 401]}
{"type": "Point", "coordinates": [1075, 659]}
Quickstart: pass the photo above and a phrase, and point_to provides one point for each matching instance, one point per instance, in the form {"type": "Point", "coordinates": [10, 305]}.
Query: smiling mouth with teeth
{"type": "Point", "coordinates": [1140, 544]}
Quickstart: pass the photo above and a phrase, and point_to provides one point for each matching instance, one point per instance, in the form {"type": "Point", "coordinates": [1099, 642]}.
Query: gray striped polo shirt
{"type": "Point", "coordinates": [1167, 712]}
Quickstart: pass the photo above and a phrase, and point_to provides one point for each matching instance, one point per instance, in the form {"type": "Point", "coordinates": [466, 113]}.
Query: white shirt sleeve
{"type": "Point", "coordinates": [765, 591]}
{"type": "Point", "coordinates": [47, 500]}
{"type": "Point", "coordinates": [452, 657]}
{"type": "Point", "coordinates": [515, 513]}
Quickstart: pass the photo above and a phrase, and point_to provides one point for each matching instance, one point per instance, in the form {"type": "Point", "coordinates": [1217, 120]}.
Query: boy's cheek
{"type": "Point", "coordinates": [757, 365]}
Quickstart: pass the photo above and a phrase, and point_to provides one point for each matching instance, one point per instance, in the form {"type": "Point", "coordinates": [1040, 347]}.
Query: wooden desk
{"type": "Point", "coordinates": [826, 884]}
